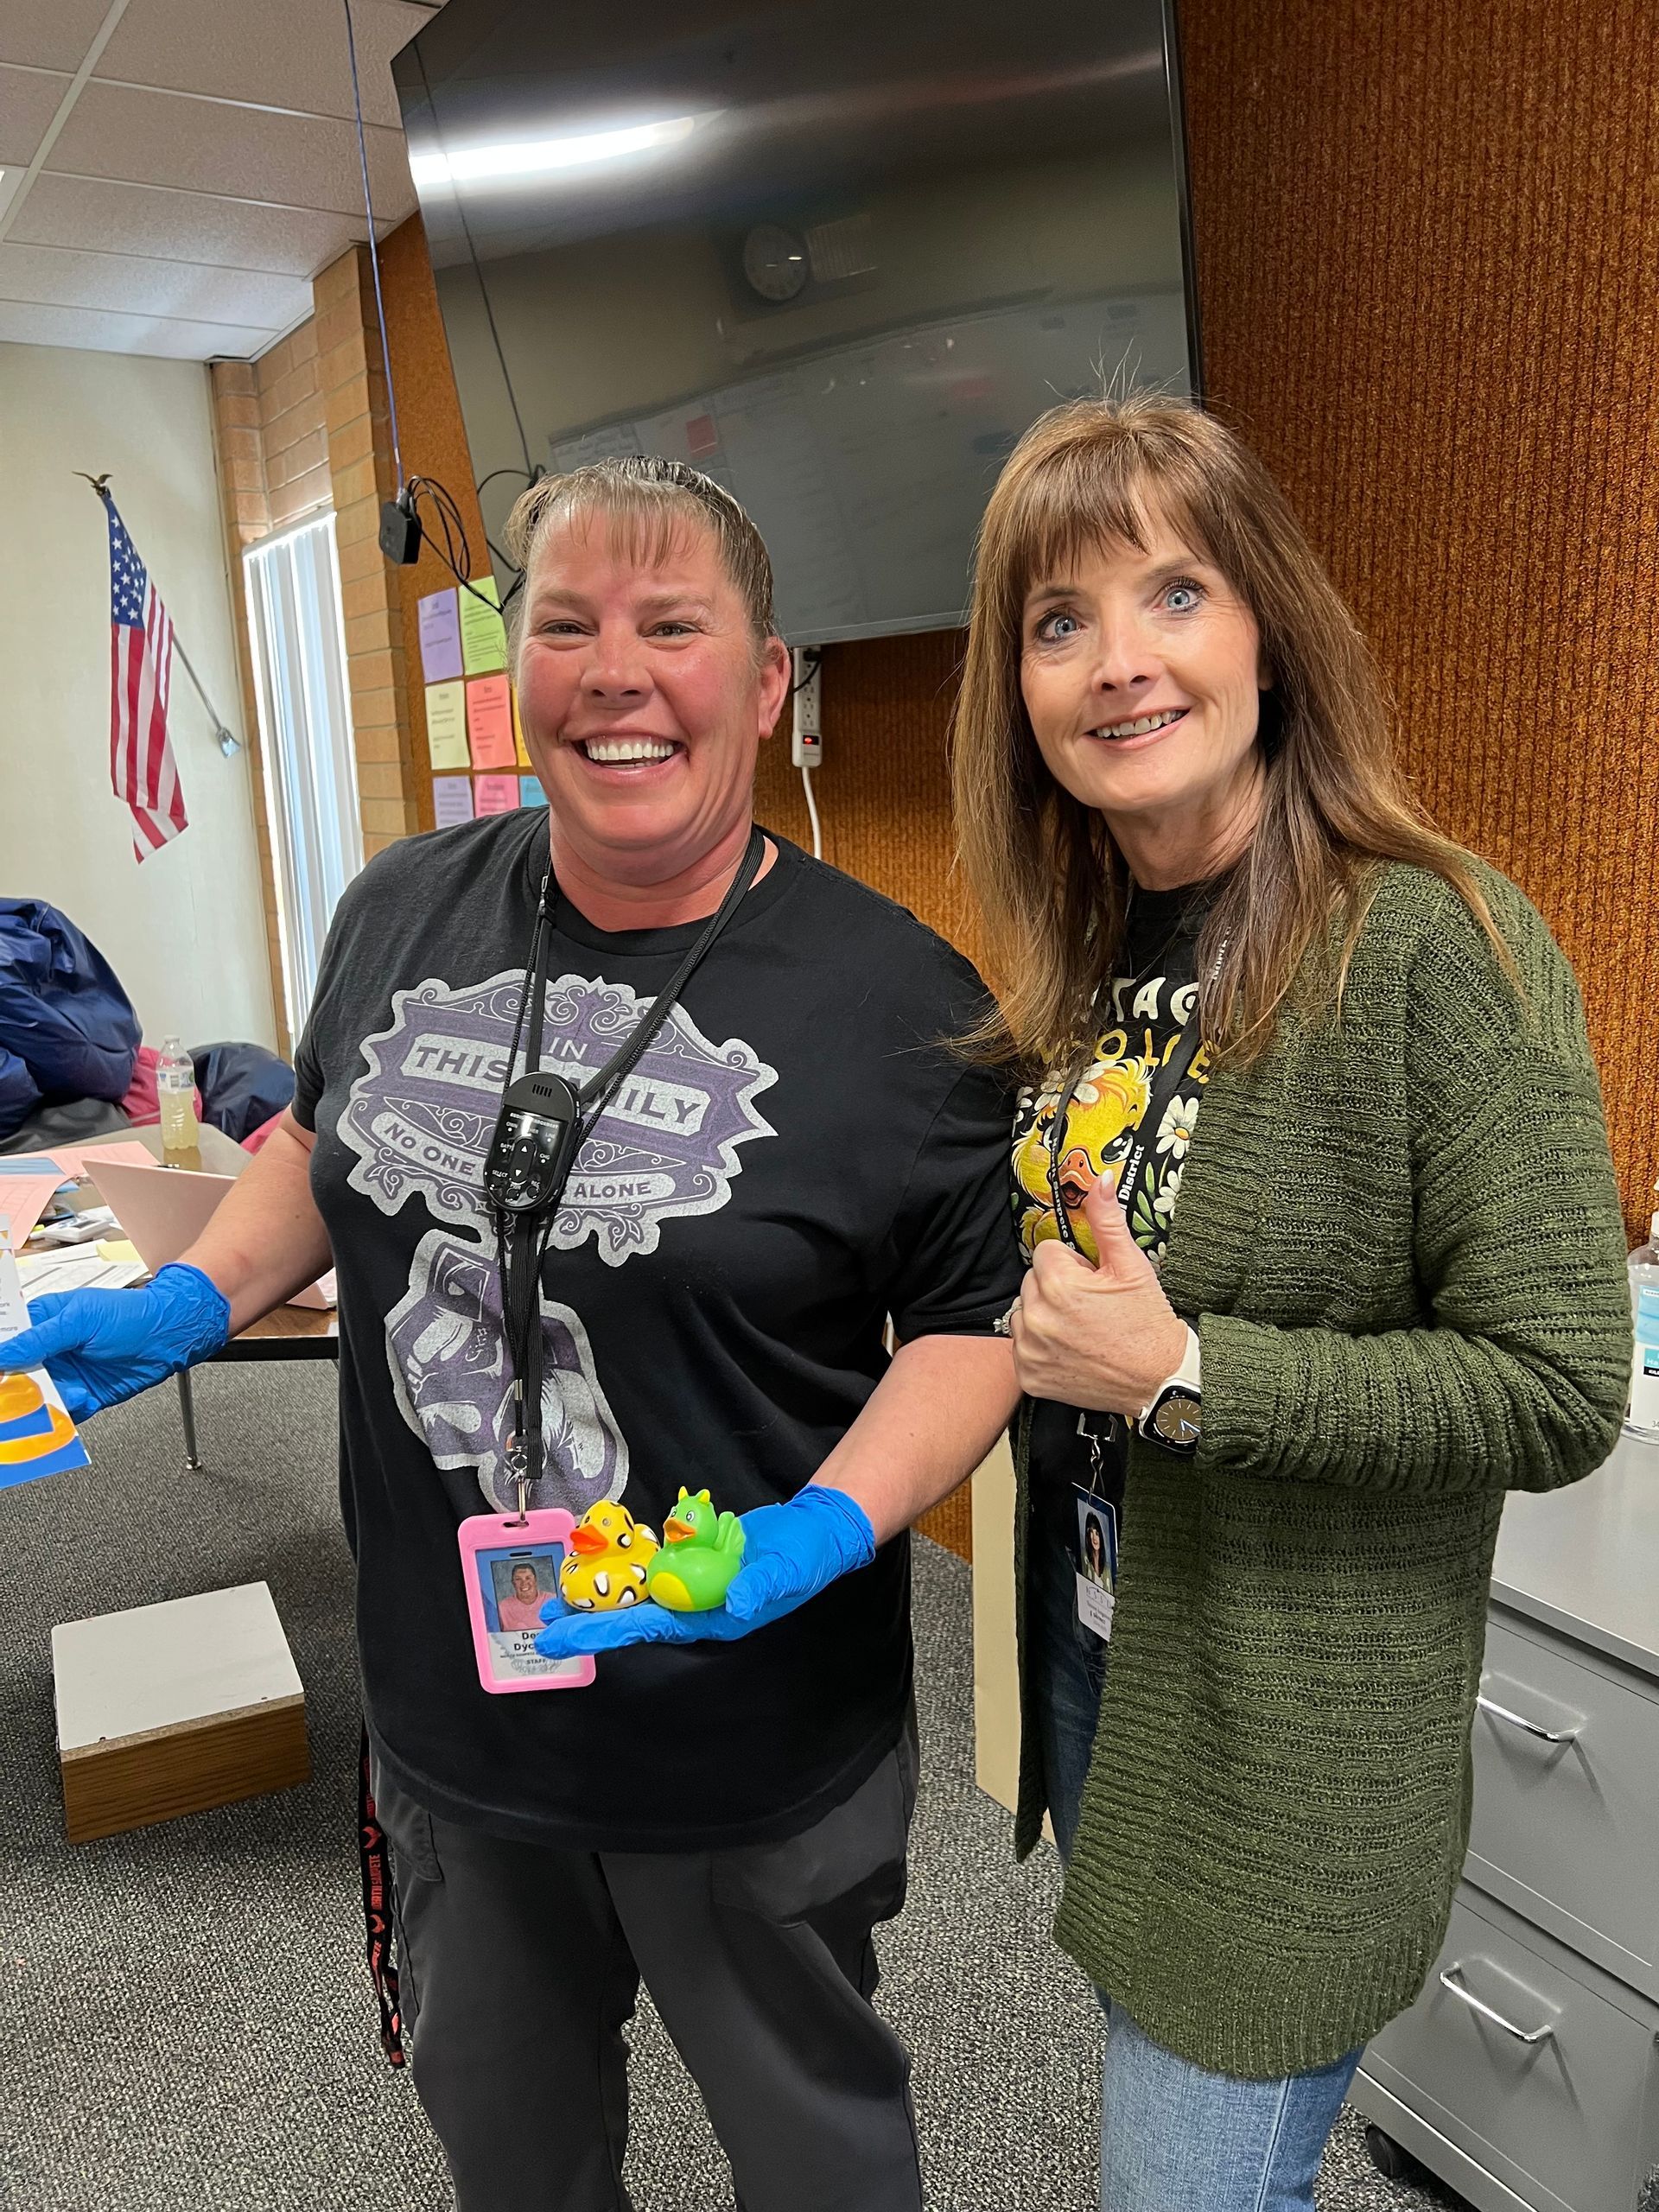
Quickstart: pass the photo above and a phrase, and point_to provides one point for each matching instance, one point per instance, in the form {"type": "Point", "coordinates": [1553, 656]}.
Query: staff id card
{"type": "Point", "coordinates": [510, 1566]}
{"type": "Point", "coordinates": [1096, 1563]}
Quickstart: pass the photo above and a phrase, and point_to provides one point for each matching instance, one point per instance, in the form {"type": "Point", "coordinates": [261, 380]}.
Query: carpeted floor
{"type": "Point", "coordinates": [185, 2021]}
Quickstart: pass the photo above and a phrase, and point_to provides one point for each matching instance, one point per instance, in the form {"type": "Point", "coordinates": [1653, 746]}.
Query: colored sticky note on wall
{"type": "Point", "coordinates": [489, 722]}
{"type": "Point", "coordinates": [452, 800]}
{"type": "Point", "coordinates": [440, 636]}
{"type": "Point", "coordinates": [496, 794]}
{"type": "Point", "coordinates": [530, 792]}
{"type": "Point", "coordinates": [483, 633]}
{"type": "Point", "coordinates": [446, 726]}
{"type": "Point", "coordinates": [518, 745]}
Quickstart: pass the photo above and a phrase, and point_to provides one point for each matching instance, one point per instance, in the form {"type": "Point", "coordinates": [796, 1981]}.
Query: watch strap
{"type": "Point", "coordinates": [1189, 1375]}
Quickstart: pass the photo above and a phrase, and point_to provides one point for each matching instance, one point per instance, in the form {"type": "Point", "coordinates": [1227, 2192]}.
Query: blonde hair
{"type": "Point", "coordinates": [646, 502]}
{"type": "Point", "coordinates": [1048, 875]}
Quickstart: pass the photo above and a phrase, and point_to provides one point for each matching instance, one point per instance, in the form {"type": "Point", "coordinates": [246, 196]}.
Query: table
{"type": "Point", "coordinates": [287, 1333]}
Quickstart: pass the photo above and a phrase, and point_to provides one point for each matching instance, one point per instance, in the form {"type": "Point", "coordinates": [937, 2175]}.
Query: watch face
{"type": "Point", "coordinates": [774, 262]}
{"type": "Point", "coordinates": [1175, 1421]}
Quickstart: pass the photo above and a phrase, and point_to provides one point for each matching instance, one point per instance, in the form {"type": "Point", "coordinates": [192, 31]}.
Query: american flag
{"type": "Point", "coordinates": [141, 770]}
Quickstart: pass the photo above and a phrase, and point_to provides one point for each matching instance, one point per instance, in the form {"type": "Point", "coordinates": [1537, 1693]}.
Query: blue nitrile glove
{"type": "Point", "coordinates": [790, 1553]}
{"type": "Point", "coordinates": [100, 1346]}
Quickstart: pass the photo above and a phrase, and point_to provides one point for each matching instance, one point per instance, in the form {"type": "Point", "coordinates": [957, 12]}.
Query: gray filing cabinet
{"type": "Point", "coordinates": [1527, 2074]}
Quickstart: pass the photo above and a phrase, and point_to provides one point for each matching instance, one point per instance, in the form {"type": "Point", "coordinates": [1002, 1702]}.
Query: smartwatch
{"type": "Point", "coordinates": [1174, 1415]}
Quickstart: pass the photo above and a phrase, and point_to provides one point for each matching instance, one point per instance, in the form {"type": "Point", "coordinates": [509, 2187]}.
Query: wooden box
{"type": "Point", "coordinates": [173, 1709]}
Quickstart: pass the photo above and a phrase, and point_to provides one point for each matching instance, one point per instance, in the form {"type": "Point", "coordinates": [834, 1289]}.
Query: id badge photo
{"type": "Point", "coordinates": [1096, 1561]}
{"type": "Point", "coordinates": [509, 1568]}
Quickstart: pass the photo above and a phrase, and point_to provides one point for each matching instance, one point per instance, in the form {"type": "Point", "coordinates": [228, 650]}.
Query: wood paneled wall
{"type": "Point", "coordinates": [884, 801]}
{"type": "Point", "coordinates": [434, 441]}
{"type": "Point", "coordinates": [1426, 238]}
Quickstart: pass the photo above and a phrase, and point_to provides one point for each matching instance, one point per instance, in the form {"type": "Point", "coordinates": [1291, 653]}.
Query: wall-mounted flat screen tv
{"type": "Point", "coordinates": [838, 256]}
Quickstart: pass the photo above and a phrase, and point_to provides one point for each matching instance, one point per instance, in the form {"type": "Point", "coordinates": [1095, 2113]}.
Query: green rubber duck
{"type": "Point", "coordinates": [702, 1551]}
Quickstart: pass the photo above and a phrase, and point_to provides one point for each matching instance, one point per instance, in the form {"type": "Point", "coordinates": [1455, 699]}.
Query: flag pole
{"type": "Point", "coordinates": [229, 744]}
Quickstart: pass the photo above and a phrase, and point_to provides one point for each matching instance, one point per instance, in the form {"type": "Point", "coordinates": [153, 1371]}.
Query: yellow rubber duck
{"type": "Point", "coordinates": [605, 1566]}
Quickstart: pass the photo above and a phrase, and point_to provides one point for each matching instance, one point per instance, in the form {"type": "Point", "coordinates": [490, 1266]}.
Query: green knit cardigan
{"type": "Point", "coordinates": [1399, 1238]}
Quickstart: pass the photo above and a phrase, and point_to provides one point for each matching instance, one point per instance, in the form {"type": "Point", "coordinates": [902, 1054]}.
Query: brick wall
{"type": "Point", "coordinates": [238, 437]}
{"type": "Point", "coordinates": [302, 429]}
{"type": "Point", "coordinates": [353, 390]}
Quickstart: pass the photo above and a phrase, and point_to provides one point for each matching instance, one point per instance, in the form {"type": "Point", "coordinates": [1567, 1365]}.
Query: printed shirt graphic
{"type": "Point", "coordinates": [1148, 1011]}
{"type": "Point", "coordinates": [421, 1119]}
{"type": "Point", "coordinates": [796, 1155]}
{"type": "Point", "coordinates": [1107, 1109]}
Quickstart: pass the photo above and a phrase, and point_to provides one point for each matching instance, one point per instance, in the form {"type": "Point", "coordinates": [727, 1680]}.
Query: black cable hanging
{"type": "Point", "coordinates": [401, 529]}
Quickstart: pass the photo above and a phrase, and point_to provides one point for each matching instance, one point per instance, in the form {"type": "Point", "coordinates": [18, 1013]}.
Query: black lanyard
{"type": "Point", "coordinates": [521, 1230]}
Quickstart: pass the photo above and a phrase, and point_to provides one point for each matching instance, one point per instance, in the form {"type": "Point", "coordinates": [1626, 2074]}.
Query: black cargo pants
{"type": "Point", "coordinates": [520, 1968]}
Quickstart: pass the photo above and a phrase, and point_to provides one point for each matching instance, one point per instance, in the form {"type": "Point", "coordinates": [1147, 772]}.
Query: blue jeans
{"type": "Point", "coordinates": [1173, 2137]}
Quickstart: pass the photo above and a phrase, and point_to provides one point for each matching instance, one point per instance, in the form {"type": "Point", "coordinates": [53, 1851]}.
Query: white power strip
{"type": "Point", "coordinates": [806, 737]}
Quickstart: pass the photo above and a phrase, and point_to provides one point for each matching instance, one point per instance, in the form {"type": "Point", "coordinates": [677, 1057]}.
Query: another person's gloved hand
{"type": "Point", "coordinates": [100, 1346]}
{"type": "Point", "coordinates": [790, 1552]}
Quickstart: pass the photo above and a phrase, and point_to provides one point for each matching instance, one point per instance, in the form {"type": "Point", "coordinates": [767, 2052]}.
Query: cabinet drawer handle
{"type": "Point", "coordinates": [1532, 1727]}
{"type": "Point", "coordinates": [1449, 1979]}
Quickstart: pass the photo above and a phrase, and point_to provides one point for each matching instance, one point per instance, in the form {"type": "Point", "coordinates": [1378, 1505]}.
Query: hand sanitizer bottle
{"type": "Point", "coordinates": [1642, 1420]}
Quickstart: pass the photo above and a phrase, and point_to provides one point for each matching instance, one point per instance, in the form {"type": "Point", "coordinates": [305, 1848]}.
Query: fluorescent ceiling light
{"type": "Point", "coordinates": [538, 157]}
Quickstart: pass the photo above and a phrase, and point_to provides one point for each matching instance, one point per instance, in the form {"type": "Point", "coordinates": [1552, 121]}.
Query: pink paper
{"type": "Point", "coordinates": [23, 1200]}
{"type": "Point", "coordinates": [452, 800]}
{"type": "Point", "coordinates": [496, 794]}
{"type": "Point", "coordinates": [489, 722]}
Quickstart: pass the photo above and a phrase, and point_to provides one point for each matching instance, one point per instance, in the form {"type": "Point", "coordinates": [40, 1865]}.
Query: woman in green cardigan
{"type": "Point", "coordinates": [1326, 1255]}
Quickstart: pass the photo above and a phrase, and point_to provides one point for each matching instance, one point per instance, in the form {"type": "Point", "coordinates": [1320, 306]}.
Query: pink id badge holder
{"type": "Point", "coordinates": [510, 1566]}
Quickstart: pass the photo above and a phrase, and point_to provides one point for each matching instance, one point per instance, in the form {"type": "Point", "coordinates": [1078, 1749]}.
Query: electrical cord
{"type": "Point", "coordinates": [812, 813]}
{"type": "Point", "coordinates": [479, 487]}
{"type": "Point", "coordinates": [374, 246]}
{"type": "Point", "coordinates": [478, 272]}
{"type": "Point", "coordinates": [456, 551]}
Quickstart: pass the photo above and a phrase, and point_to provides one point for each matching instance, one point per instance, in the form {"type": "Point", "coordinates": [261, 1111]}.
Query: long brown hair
{"type": "Point", "coordinates": [1047, 874]}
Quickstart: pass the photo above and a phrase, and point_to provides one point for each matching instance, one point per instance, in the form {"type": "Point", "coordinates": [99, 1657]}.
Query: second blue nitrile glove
{"type": "Point", "coordinates": [100, 1346]}
{"type": "Point", "coordinates": [790, 1552]}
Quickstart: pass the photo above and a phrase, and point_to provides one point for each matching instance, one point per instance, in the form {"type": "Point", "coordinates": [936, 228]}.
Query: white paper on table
{"type": "Point", "coordinates": [75, 1268]}
{"type": "Point", "coordinates": [14, 1309]}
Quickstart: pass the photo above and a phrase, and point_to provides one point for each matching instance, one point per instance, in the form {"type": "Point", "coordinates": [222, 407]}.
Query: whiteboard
{"type": "Point", "coordinates": [865, 466]}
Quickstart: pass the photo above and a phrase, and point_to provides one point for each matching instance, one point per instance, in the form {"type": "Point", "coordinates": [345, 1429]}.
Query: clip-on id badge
{"type": "Point", "coordinates": [510, 1564]}
{"type": "Point", "coordinates": [1095, 1563]}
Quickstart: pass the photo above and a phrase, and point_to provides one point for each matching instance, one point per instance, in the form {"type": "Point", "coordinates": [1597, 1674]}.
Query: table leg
{"type": "Point", "coordinates": [188, 1418]}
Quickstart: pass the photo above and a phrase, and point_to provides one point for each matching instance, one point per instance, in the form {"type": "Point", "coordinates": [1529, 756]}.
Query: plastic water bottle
{"type": "Point", "coordinates": [175, 1084]}
{"type": "Point", "coordinates": [1642, 1418]}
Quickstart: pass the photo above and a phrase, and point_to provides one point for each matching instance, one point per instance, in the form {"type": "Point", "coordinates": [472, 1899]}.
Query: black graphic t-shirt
{"type": "Point", "coordinates": [796, 1155]}
{"type": "Point", "coordinates": [1151, 1001]}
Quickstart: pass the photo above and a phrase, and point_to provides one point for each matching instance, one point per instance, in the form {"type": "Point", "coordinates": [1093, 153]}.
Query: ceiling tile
{"type": "Point", "coordinates": [54, 37]}
{"type": "Point", "coordinates": [182, 227]}
{"type": "Point", "coordinates": [105, 332]}
{"type": "Point", "coordinates": [237, 152]}
{"type": "Point", "coordinates": [52, 276]}
{"type": "Point", "coordinates": [28, 100]}
{"type": "Point", "coordinates": [293, 56]}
